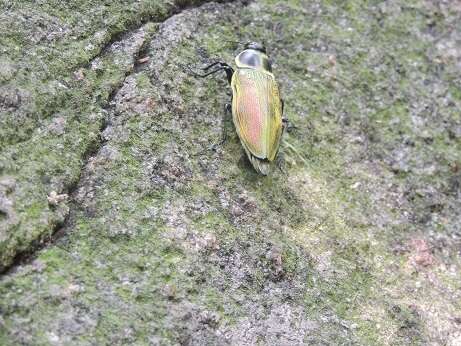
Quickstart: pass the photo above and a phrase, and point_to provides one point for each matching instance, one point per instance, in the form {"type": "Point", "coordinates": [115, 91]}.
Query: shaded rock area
{"type": "Point", "coordinates": [121, 223]}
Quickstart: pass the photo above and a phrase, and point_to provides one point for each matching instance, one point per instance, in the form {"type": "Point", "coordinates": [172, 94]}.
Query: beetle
{"type": "Point", "coordinates": [257, 108]}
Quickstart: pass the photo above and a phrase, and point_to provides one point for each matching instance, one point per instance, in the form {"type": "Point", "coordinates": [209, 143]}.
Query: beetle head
{"type": "Point", "coordinates": [256, 46]}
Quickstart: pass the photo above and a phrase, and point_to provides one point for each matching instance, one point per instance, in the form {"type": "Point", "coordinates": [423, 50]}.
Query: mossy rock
{"type": "Point", "coordinates": [150, 237]}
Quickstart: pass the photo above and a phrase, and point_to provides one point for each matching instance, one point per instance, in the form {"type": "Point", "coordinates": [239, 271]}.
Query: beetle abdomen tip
{"type": "Point", "coordinates": [262, 166]}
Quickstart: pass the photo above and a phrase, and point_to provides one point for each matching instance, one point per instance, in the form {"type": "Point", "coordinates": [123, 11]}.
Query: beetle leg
{"type": "Point", "coordinates": [228, 108]}
{"type": "Point", "coordinates": [280, 163]}
{"type": "Point", "coordinates": [227, 111]}
{"type": "Point", "coordinates": [287, 125]}
{"type": "Point", "coordinates": [229, 72]}
{"type": "Point", "coordinates": [221, 66]}
{"type": "Point", "coordinates": [291, 127]}
{"type": "Point", "coordinates": [284, 124]}
{"type": "Point", "coordinates": [211, 65]}
{"type": "Point", "coordinates": [208, 73]}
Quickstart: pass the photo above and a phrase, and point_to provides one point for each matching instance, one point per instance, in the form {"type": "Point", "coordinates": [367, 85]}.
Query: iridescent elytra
{"type": "Point", "coordinates": [257, 108]}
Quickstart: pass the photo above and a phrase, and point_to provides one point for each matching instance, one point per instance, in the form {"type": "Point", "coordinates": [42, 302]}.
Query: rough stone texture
{"type": "Point", "coordinates": [60, 63]}
{"type": "Point", "coordinates": [165, 241]}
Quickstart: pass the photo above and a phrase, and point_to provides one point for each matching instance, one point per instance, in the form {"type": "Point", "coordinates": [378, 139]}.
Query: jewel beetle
{"type": "Point", "coordinates": [257, 108]}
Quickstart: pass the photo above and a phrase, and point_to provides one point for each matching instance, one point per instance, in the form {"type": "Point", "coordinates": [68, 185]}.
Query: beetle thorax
{"type": "Point", "coordinates": [253, 59]}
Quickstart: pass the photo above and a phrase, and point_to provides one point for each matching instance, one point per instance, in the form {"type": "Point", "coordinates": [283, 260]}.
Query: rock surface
{"type": "Point", "coordinates": [119, 224]}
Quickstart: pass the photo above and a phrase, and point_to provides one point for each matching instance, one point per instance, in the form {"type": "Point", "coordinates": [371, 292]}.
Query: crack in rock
{"type": "Point", "coordinates": [122, 50]}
